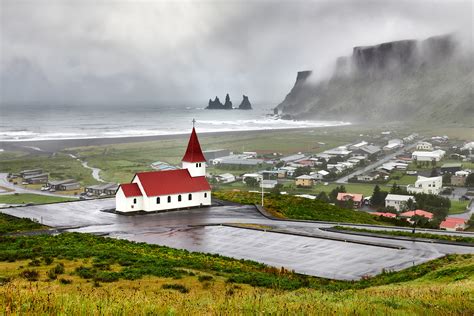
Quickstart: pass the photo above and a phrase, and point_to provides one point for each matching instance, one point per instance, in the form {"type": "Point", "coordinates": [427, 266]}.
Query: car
{"type": "Point", "coordinates": [464, 198]}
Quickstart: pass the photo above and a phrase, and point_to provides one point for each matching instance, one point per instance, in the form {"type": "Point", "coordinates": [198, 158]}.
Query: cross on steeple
{"type": "Point", "coordinates": [194, 121]}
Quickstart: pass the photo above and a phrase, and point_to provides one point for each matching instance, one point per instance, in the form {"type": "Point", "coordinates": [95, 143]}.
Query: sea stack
{"type": "Point", "coordinates": [228, 103]}
{"type": "Point", "coordinates": [216, 104]}
{"type": "Point", "coordinates": [245, 104]}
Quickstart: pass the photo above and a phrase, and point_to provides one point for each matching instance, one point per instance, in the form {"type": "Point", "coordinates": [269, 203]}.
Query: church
{"type": "Point", "coordinates": [171, 189]}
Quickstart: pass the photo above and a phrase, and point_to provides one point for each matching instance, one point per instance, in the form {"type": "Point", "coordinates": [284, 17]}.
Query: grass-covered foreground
{"type": "Point", "coordinates": [73, 274]}
{"type": "Point", "coordinates": [11, 224]}
{"type": "Point", "coordinates": [288, 206]}
{"type": "Point", "coordinates": [409, 234]}
{"type": "Point", "coordinates": [25, 198]}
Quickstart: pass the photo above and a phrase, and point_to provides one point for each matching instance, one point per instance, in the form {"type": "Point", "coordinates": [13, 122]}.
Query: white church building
{"type": "Point", "coordinates": [170, 189]}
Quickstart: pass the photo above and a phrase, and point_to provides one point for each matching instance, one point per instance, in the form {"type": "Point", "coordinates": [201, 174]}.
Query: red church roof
{"type": "Point", "coordinates": [131, 189]}
{"type": "Point", "coordinates": [193, 152]}
{"type": "Point", "coordinates": [157, 183]}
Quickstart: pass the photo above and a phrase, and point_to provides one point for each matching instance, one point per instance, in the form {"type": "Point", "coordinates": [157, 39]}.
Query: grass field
{"type": "Point", "coordinates": [458, 207]}
{"type": "Point", "coordinates": [25, 198]}
{"type": "Point", "coordinates": [78, 274]}
{"type": "Point", "coordinates": [11, 224]}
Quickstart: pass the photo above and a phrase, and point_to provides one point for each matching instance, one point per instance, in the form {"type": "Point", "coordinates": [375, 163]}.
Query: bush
{"type": "Point", "coordinates": [30, 275]}
{"type": "Point", "coordinates": [65, 281]}
{"type": "Point", "coordinates": [203, 278]}
{"type": "Point", "coordinates": [177, 287]}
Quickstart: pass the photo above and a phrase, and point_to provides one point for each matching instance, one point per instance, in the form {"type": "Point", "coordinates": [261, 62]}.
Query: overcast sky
{"type": "Point", "coordinates": [104, 52]}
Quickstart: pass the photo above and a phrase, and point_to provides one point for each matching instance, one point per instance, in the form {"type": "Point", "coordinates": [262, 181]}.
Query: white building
{"type": "Point", "coordinates": [170, 189]}
{"type": "Point", "coordinates": [424, 146]}
{"type": "Point", "coordinates": [397, 201]}
{"type": "Point", "coordinates": [255, 176]}
{"type": "Point", "coordinates": [319, 175]}
{"type": "Point", "coordinates": [226, 178]}
{"type": "Point", "coordinates": [436, 155]}
{"type": "Point", "coordinates": [426, 185]}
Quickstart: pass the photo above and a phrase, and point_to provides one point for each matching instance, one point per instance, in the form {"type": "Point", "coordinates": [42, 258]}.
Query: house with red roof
{"type": "Point", "coordinates": [386, 214]}
{"type": "Point", "coordinates": [453, 224]}
{"type": "Point", "coordinates": [153, 191]}
{"type": "Point", "coordinates": [423, 213]}
{"type": "Point", "coordinates": [344, 198]}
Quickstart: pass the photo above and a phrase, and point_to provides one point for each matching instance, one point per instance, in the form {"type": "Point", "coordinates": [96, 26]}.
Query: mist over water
{"type": "Point", "coordinates": [122, 121]}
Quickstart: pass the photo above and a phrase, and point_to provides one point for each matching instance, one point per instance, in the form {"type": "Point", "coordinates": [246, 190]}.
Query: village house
{"type": "Point", "coordinates": [453, 224]}
{"type": "Point", "coordinates": [101, 189]}
{"type": "Point", "coordinates": [63, 185]}
{"type": "Point", "coordinates": [269, 184]}
{"type": "Point", "coordinates": [451, 168]}
{"type": "Point", "coordinates": [170, 189]}
{"type": "Point", "coordinates": [408, 215]}
{"type": "Point", "coordinates": [30, 172]}
{"type": "Point", "coordinates": [255, 176]}
{"type": "Point", "coordinates": [424, 146]}
{"type": "Point", "coordinates": [212, 154]}
{"type": "Point", "coordinates": [459, 178]}
{"type": "Point", "coordinates": [399, 202]}
{"type": "Point", "coordinates": [354, 199]}
{"type": "Point", "coordinates": [225, 178]}
{"type": "Point", "coordinates": [366, 151]}
{"type": "Point", "coordinates": [432, 185]}
{"type": "Point", "coordinates": [36, 178]}
{"type": "Point", "coordinates": [429, 156]}
{"type": "Point", "coordinates": [386, 214]}
{"type": "Point", "coordinates": [368, 177]}
{"type": "Point", "coordinates": [319, 175]}
{"type": "Point", "coordinates": [304, 181]}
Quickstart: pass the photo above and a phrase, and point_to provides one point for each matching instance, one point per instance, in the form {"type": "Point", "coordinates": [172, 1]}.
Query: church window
{"type": "Point", "coordinates": [179, 198]}
{"type": "Point", "coordinates": [157, 200]}
{"type": "Point", "coordinates": [190, 196]}
{"type": "Point", "coordinates": [134, 201]}
{"type": "Point", "coordinates": [169, 199]}
{"type": "Point", "coordinates": [197, 165]}
{"type": "Point", "coordinates": [205, 195]}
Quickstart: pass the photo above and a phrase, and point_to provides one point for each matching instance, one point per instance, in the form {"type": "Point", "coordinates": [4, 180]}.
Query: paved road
{"type": "Point", "coordinates": [18, 189]}
{"type": "Point", "coordinates": [325, 254]}
{"type": "Point", "coordinates": [375, 164]}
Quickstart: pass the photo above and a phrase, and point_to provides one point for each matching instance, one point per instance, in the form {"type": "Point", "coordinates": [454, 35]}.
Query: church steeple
{"type": "Point", "coordinates": [194, 159]}
{"type": "Point", "coordinates": [194, 152]}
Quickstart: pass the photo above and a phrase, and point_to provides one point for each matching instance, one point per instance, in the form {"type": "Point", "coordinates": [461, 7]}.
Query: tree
{"type": "Point", "coordinates": [322, 196]}
{"type": "Point", "coordinates": [378, 197]}
{"type": "Point", "coordinates": [301, 171]}
{"type": "Point", "coordinates": [280, 164]}
{"type": "Point", "coordinates": [470, 180]}
{"type": "Point", "coordinates": [434, 172]}
{"type": "Point", "coordinates": [410, 204]}
{"type": "Point", "coordinates": [391, 209]}
{"type": "Point", "coordinates": [433, 163]}
{"type": "Point", "coordinates": [277, 188]}
{"type": "Point", "coordinates": [333, 194]}
{"type": "Point", "coordinates": [251, 182]}
{"type": "Point", "coordinates": [447, 178]}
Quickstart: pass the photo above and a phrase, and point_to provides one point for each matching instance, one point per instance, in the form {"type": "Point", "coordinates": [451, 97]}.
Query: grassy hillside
{"type": "Point", "coordinates": [287, 206]}
{"type": "Point", "coordinates": [11, 224]}
{"type": "Point", "coordinates": [82, 274]}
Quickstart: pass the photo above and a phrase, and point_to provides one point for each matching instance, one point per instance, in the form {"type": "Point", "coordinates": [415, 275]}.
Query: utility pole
{"type": "Point", "coordinates": [261, 184]}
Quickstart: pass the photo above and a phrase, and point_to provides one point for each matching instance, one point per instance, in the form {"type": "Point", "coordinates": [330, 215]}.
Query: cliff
{"type": "Point", "coordinates": [401, 81]}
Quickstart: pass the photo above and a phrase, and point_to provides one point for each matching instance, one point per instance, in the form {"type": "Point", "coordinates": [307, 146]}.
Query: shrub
{"type": "Point", "coordinates": [177, 287]}
{"type": "Point", "coordinates": [34, 263]}
{"type": "Point", "coordinates": [30, 275]}
{"type": "Point", "coordinates": [59, 268]}
{"type": "Point", "coordinates": [203, 278]}
{"type": "Point", "coordinates": [65, 281]}
{"type": "Point", "coordinates": [47, 260]}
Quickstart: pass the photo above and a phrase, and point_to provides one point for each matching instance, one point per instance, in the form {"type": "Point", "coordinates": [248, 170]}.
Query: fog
{"type": "Point", "coordinates": [106, 52]}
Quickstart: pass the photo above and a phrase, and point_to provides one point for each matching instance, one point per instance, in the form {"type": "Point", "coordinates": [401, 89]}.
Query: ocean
{"type": "Point", "coordinates": [49, 123]}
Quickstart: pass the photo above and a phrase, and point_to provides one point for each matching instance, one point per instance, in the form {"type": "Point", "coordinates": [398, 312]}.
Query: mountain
{"type": "Point", "coordinates": [429, 80]}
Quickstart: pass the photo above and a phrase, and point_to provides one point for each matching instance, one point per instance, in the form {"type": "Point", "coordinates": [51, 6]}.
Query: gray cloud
{"type": "Point", "coordinates": [104, 51]}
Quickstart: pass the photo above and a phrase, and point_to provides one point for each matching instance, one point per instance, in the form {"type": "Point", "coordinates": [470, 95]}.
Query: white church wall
{"type": "Point", "coordinates": [196, 169]}
{"type": "Point", "coordinates": [198, 198]}
{"type": "Point", "coordinates": [127, 204]}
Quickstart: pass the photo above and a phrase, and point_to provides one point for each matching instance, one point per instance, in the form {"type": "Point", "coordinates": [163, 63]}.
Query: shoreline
{"type": "Point", "coordinates": [54, 145]}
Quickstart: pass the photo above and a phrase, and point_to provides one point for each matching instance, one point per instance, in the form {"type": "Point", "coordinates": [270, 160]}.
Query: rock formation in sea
{"type": "Point", "coordinates": [228, 103]}
{"type": "Point", "coordinates": [245, 104]}
{"type": "Point", "coordinates": [215, 105]}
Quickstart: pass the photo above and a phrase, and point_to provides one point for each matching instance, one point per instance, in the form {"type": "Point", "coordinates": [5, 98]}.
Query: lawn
{"type": "Point", "coordinates": [25, 198]}
{"type": "Point", "coordinates": [287, 206]}
{"type": "Point", "coordinates": [458, 207]}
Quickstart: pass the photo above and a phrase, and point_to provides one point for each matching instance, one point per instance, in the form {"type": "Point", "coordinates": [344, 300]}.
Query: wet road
{"type": "Point", "coordinates": [299, 246]}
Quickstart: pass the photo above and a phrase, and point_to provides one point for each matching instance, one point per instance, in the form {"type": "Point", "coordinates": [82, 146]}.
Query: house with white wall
{"type": "Point", "coordinates": [170, 189]}
{"type": "Point", "coordinates": [431, 185]}
{"type": "Point", "coordinates": [397, 201]}
{"type": "Point", "coordinates": [424, 146]}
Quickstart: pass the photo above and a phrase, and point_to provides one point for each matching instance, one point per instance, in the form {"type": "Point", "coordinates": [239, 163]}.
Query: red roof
{"type": "Point", "coordinates": [131, 189]}
{"type": "Point", "coordinates": [193, 152]}
{"type": "Point", "coordinates": [349, 196]}
{"type": "Point", "coordinates": [157, 183]}
{"type": "Point", "coordinates": [452, 222]}
{"type": "Point", "coordinates": [417, 212]}
{"type": "Point", "coordinates": [384, 214]}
